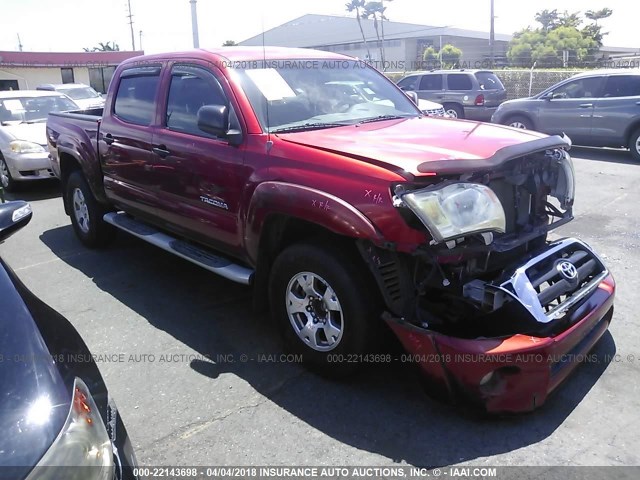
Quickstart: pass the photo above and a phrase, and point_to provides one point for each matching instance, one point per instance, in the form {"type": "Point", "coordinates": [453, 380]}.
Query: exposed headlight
{"type": "Point", "coordinates": [457, 209]}
{"type": "Point", "coordinates": [83, 442]}
{"type": "Point", "coordinates": [22, 146]}
{"type": "Point", "coordinates": [20, 213]}
{"type": "Point", "coordinates": [565, 189]}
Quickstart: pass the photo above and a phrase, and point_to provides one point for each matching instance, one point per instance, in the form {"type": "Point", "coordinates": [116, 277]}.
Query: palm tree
{"type": "Point", "coordinates": [373, 10]}
{"type": "Point", "coordinates": [229, 43]}
{"type": "Point", "coordinates": [104, 47]}
{"type": "Point", "coordinates": [357, 6]}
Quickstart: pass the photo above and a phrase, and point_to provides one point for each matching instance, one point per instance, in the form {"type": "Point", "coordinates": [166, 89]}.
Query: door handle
{"type": "Point", "coordinates": [108, 139]}
{"type": "Point", "coordinates": [161, 151]}
{"type": "Point", "coordinates": [586, 105]}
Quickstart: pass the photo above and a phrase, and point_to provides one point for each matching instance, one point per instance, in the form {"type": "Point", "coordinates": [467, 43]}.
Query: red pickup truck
{"type": "Point", "coordinates": [313, 178]}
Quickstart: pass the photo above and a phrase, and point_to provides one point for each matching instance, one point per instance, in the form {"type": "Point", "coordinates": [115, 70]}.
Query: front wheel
{"type": "Point", "coordinates": [8, 183]}
{"type": "Point", "coordinates": [321, 300]}
{"type": "Point", "coordinates": [634, 145]}
{"type": "Point", "coordinates": [519, 122]}
{"type": "Point", "coordinates": [87, 213]}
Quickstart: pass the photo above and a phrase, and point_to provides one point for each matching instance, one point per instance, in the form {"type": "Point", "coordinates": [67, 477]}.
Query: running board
{"type": "Point", "coordinates": [198, 255]}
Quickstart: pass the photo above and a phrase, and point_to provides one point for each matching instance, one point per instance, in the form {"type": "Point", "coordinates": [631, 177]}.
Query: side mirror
{"type": "Point", "coordinates": [413, 96]}
{"type": "Point", "coordinates": [13, 216]}
{"type": "Point", "coordinates": [547, 96]}
{"type": "Point", "coordinates": [214, 119]}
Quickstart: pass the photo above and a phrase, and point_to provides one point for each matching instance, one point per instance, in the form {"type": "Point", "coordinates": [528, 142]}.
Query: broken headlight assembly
{"type": "Point", "coordinates": [455, 209]}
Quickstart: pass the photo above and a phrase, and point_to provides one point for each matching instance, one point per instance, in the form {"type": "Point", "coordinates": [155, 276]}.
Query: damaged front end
{"type": "Point", "coordinates": [489, 282]}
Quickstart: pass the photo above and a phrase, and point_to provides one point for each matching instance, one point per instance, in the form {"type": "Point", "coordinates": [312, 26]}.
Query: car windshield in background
{"type": "Point", "coordinates": [80, 93]}
{"type": "Point", "coordinates": [489, 81]}
{"type": "Point", "coordinates": [306, 94]}
{"type": "Point", "coordinates": [33, 109]}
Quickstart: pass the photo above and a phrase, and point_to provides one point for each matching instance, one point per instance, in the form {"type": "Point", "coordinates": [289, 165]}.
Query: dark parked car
{"type": "Point", "coordinates": [470, 94]}
{"type": "Point", "coordinates": [599, 109]}
{"type": "Point", "coordinates": [56, 417]}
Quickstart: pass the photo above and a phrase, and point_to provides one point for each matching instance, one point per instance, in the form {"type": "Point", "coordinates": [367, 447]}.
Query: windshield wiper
{"type": "Point", "coordinates": [308, 126]}
{"type": "Point", "coordinates": [383, 117]}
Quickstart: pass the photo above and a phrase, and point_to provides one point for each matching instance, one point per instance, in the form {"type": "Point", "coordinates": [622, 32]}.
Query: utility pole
{"type": "Point", "coordinates": [19, 43]}
{"type": "Point", "coordinates": [492, 38]}
{"type": "Point", "coordinates": [133, 38]}
{"type": "Point", "coordinates": [194, 23]}
{"type": "Point", "coordinates": [140, 42]}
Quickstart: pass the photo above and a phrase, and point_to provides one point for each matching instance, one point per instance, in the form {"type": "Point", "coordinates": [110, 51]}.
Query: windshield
{"type": "Point", "coordinates": [317, 93]}
{"type": "Point", "coordinates": [33, 109]}
{"type": "Point", "coordinates": [80, 93]}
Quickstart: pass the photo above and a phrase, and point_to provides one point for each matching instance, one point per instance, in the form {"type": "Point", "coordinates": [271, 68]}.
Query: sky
{"type": "Point", "coordinates": [71, 25]}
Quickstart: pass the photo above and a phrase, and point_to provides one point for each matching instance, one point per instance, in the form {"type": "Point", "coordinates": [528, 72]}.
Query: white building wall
{"type": "Point", "coordinates": [30, 77]}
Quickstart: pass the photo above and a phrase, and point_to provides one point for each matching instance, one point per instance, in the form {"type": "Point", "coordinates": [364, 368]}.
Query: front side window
{"type": "Point", "coordinates": [581, 88]}
{"type": "Point", "coordinates": [409, 83]}
{"type": "Point", "coordinates": [431, 82]}
{"type": "Point", "coordinates": [135, 99]}
{"type": "Point", "coordinates": [191, 88]}
{"type": "Point", "coordinates": [310, 94]}
{"type": "Point", "coordinates": [622, 86]}
{"type": "Point", "coordinates": [459, 81]}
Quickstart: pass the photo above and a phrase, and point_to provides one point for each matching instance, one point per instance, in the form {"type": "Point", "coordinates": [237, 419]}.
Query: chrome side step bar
{"type": "Point", "coordinates": [195, 254]}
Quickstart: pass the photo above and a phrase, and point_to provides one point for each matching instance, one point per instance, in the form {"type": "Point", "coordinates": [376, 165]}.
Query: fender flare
{"type": "Point", "coordinates": [304, 203]}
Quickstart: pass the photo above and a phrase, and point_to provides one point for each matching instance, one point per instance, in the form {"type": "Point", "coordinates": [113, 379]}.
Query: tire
{"type": "Point", "coordinates": [8, 183]}
{"type": "Point", "coordinates": [87, 213]}
{"type": "Point", "coordinates": [634, 145]}
{"type": "Point", "coordinates": [454, 110]}
{"type": "Point", "coordinates": [519, 121]}
{"type": "Point", "coordinates": [336, 330]}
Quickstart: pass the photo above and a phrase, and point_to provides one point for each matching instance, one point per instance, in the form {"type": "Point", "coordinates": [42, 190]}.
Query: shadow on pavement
{"type": "Point", "coordinates": [34, 191]}
{"type": "Point", "coordinates": [610, 155]}
{"type": "Point", "coordinates": [383, 410]}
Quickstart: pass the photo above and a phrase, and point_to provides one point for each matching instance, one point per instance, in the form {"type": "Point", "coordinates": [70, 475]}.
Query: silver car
{"type": "Point", "coordinates": [599, 108]}
{"type": "Point", "coordinates": [23, 142]}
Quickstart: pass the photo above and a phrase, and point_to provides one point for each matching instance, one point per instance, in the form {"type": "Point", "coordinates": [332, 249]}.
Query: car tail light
{"type": "Point", "coordinates": [479, 100]}
{"type": "Point", "coordinates": [82, 449]}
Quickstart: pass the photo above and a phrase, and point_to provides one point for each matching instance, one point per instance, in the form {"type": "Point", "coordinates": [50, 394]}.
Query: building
{"type": "Point", "coordinates": [404, 43]}
{"type": "Point", "coordinates": [27, 70]}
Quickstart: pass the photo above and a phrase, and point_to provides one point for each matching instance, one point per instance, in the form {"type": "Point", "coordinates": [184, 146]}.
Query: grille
{"type": "Point", "coordinates": [435, 112]}
{"type": "Point", "coordinates": [554, 281]}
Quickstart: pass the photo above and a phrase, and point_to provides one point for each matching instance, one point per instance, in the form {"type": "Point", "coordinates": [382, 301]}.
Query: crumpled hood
{"type": "Point", "coordinates": [31, 132]}
{"type": "Point", "coordinates": [415, 142]}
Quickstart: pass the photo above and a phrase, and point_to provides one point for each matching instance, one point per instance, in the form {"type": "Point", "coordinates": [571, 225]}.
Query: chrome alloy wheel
{"type": "Point", "coordinates": [518, 125]}
{"type": "Point", "coordinates": [314, 311]}
{"type": "Point", "coordinates": [4, 173]}
{"type": "Point", "coordinates": [80, 211]}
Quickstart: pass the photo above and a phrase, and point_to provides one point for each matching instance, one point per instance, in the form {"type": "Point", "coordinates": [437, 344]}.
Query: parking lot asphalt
{"type": "Point", "coordinates": [153, 319]}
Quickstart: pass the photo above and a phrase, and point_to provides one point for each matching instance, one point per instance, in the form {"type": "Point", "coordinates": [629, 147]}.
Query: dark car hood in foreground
{"type": "Point", "coordinates": [413, 144]}
{"type": "Point", "coordinates": [28, 377]}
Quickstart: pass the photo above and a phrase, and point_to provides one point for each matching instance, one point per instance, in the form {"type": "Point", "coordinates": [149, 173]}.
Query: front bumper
{"type": "Point", "coordinates": [514, 373]}
{"type": "Point", "coordinates": [29, 166]}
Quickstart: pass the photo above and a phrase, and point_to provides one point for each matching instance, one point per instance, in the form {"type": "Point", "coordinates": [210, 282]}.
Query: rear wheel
{"type": "Point", "coordinates": [454, 110]}
{"type": "Point", "coordinates": [634, 145]}
{"type": "Point", "coordinates": [322, 302]}
{"type": "Point", "coordinates": [519, 121]}
{"type": "Point", "coordinates": [87, 213]}
{"type": "Point", "coordinates": [8, 183]}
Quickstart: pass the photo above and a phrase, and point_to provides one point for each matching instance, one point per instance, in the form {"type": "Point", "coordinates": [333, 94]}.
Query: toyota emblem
{"type": "Point", "coordinates": [568, 270]}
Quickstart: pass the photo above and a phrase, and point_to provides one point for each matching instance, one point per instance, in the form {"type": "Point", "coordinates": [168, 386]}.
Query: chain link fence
{"type": "Point", "coordinates": [524, 83]}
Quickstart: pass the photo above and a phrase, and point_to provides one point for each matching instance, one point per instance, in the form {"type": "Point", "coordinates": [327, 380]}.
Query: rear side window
{"type": "Point", "coordinates": [489, 81]}
{"type": "Point", "coordinates": [622, 86]}
{"type": "Point", "coordinates": [409, 83]}
{"type": "Point", "coordinates": [459, 81]}
{"type": "Point", "coordinates": [431, 82]}
{"type": "Point", "coordinates": [135, 99]}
